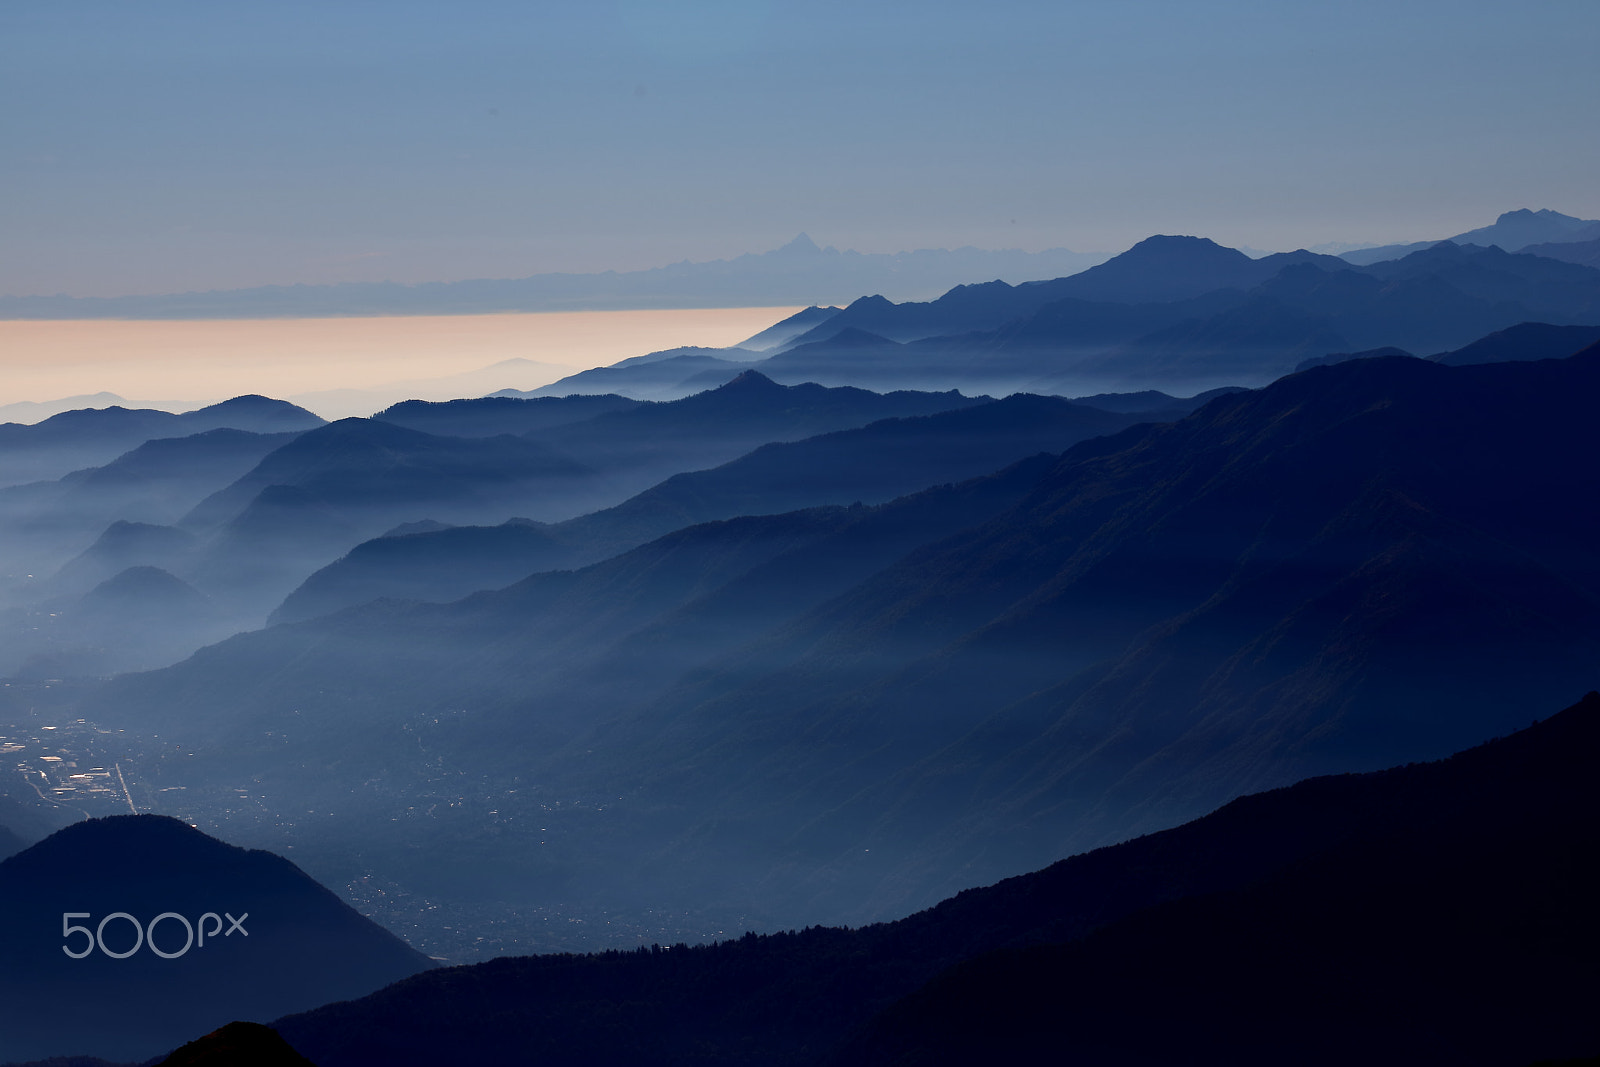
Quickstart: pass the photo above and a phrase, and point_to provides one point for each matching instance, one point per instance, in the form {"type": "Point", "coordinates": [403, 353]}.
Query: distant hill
{"type": "Point", "coordinates": [238, 1044]}
{"type": "Point", "coordinates": [1513, 231]}
{"type": "Point", "coordinates": [797, 273]}
{"type": "Point", "coordinates": [35, 410]}
{"type": "Point", "coordinates": [94, 436]}
{"type": "Point", "coordinates": [299, 945]}
{"type": "Point", "coordinates": [1433, 910]}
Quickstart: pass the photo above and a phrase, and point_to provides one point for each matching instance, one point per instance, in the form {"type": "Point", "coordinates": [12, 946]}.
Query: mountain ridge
{"type": "Point", "coordinates": [841, 996]}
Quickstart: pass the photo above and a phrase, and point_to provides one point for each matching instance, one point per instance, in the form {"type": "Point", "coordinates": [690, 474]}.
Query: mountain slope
{"type": "Point", "coordinates": [299, 947]}
{"type": "Point", "coordinates": [1527, 340]}
{"type": "Point", "coordinates": [94, 436]}
{"type": "Point", "coordinates": [1187, 314]}
{"type": "Point", "coordinates": [1420, 933]}
{"type": "Point", "coordinates": [659, 376]}
{"type": "Point", "coordinates": [871, 464]}
{"type": "Point", "coordinates": [850, 720]}
{"type": "Point", "coordinates": [1180, 614]}
{"type": "Point", "coordinates": [642, 445]}
{"type": "Point", "coordinates": [491, 415]}
{"type": "Point", "coordinates": [1285, 871]}
{"type": "Point", "coordinates": [155, 483]}
{"type": "Point", "coordinates": [1157, 270]}
{"type": "Point", "coordinates": [1514, 231]}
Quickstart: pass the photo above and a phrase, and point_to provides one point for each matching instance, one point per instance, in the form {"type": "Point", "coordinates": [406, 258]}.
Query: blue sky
{"type": "Point", "coordinates": [166, 145]}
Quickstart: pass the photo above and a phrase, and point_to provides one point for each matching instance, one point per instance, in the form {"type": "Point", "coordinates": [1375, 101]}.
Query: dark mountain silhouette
{"type": "Point", "coordinates": [491, 415]}
{"type": "Point", "coordinates": [1362, 564]}
{"type": "Point", "coordinates": [878, 462]}
{"type": "Point", "coordinates": [238, 1045]}
{"type": "Point", "coordinates": [95, 436]}
{"type": "Point", "coordinates": [299, 947]}
{"type": "Point", "coordinates": [1392, 917]}
{"type": "Point", "coordinates": [1524, 341]}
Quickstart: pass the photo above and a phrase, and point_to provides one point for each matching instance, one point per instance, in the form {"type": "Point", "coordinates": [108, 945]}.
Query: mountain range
{"type": "Point", "coordinates": [1181, 314]}
{"type": "Point", "coordinates": [797, 273]}
{"type": "Point", "coordinates": [90, 437]}
{"type": "Point", "coordinates": [593, 671]}
{"type": "Point", "coordinates": [222, 526]}
{"type": "Point", "coordinates": [878, 462]}
{"type": "Point", "coordinates": [848, 713]}
{"type": "Point", "coordinates": [1513, 231]}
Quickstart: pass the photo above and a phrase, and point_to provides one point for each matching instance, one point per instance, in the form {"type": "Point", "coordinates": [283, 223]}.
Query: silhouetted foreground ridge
{"type": "Point", "coordinates": [1432, 913]}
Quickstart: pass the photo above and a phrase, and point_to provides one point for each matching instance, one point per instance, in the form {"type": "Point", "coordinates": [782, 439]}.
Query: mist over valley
{"type": "Point", "coordinates": [768, 657]}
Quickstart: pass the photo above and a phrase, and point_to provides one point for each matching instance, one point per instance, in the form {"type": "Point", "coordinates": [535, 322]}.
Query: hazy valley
{"type": "Point", "coordinates": [768, 658]}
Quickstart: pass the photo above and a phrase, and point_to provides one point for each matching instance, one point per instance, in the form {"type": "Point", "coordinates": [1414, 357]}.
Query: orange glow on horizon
{"type": "Point", "coordinates": [177, 362]}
